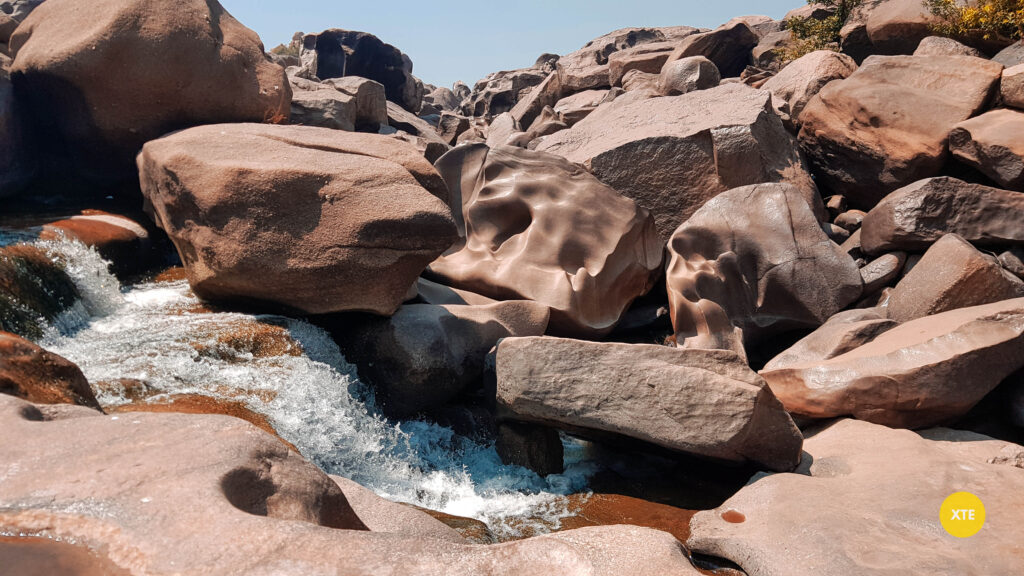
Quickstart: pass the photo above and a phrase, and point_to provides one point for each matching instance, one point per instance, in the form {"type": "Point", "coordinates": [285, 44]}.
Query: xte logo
{"type": "Point", "coordinates": [962, 514]}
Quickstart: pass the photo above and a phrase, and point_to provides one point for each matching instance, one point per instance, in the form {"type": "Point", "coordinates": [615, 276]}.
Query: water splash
{"type": "Point", "coordinates": [160, 335]}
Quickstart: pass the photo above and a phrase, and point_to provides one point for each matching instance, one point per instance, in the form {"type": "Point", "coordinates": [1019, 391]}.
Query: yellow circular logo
{"type": "Point", "coordinates": [962, 514]}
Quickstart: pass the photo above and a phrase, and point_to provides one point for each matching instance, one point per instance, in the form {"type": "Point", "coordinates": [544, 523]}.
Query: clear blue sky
{"type": "Point", "coordinates": [465, 40]}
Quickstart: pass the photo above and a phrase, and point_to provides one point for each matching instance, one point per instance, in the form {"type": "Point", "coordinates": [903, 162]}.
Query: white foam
{"type": "Point", "coordinates": [313, 400]}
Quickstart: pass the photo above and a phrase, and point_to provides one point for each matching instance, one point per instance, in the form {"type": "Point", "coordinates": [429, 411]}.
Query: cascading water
{"type": "Point", "coordinates": [159, 334]}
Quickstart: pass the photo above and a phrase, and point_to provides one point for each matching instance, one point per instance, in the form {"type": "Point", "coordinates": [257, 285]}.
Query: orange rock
{"type": "Point", "coordinates": [27, 371]}
{"type": "Point", "coordinates": [117, 238]}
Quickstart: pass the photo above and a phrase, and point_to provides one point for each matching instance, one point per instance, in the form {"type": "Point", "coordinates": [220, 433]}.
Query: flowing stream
{"type": "Point", "coordinates": [160, 335]}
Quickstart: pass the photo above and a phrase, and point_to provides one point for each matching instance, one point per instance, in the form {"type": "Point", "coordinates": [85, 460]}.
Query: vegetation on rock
{"type": "Point", "coordinates": [811, 34]}
{"type": "Point", "coordinates": [987, 19]}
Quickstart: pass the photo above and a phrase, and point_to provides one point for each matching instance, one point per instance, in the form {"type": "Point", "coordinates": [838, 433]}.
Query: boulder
{"type": "Point", "coordinates": [574, 108]}
{"type": "Point", "coordinates": [730, 136]}
{"type": "Point", "coordinates": [853, 36]}
{"type": "Point", "coordinates": [1012, 55]}
{"type": "Point", "coordinates": [729, 47]}
{"type": "Point", "coordinates": [309, 219]}
{"type": "Point", "coordinates": [451, 126]}
{"type": "Point", "coordinates": [752, 263]}
{"type": "Point", "coordinates": [887, 125]}
{"type": "Point", "coordinates": [1011, 89]}
{"type": "Point", "coordinates": [183, 494]}
{"type": "Point", "coordinates": [803, 78]}
{"type": "Point", "coordinates": [940, 46]}
{"type": "Point", "coordinates": [545, 94]}
{"type": "Point", "coordinates": [882, 271]}
{"type": "Point", "coordinates": [546, 124]}
{"type": "Point", "coordinates": [867, 502]}
{"type": "Point", "coordinates": [17, 161]}
{"type": "Point", "coordinates": [501, 129]}
{"type": "Point", "coordinates": [647, 58]}
{"type": "Point", "coordinates": [401, 119]}
{"type": "Point", "coordinates": [706, 403]}
{"type": "Point", "coordinates": [35, 289]}
{"type": "Point", "coordinates": [921, 373]}
{"type": "Point", "coordinates": [639, 86]}
{"type": "Point", "coordinates": [536, 227]}
{"type": "Point", "coordinates": [337, 53]}
{"type": "Point", "coordinates": [536, 448]}
{"type": "Point", "coordinates": [991, 143]}
{"type": "Point", "coordinates": [119, 239]}
{"type": "Point", "coordinates": [587, 68]}
{"type": "Point", "coordinates": [1013, 261]}
{"type": "Point", "coordinates": [952, 274]}
{"type": "Point", "coordinates": [369, 99]}
{"type": "Point", "coordinates": [316, 104]}
{"type": "Point", "coordinates": [899, 26]}
{"type": "Point", "coordinates": [426, 355]}
{"type": "Point", "coordinates": [31, 373]}
{"type": "Point", "coordinates": [851, 220]}
{"type": "Point", "coordinates": [914, 217]}
{"type": "Point", "coordinates": [501, 91]}
{"type": "Point", "coordinates": [688, 75]}
{"type": "Point", "coordinates": [99, 80]}
{"type": "Point", "coordinates": [444, 99]}
{"type": "Point", "coordinates": [842, 333]}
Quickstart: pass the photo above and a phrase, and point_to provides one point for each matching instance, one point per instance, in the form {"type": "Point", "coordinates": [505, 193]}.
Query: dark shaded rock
{"type": "Point", "coordinates": [728, 46]}
{"type": "Point", "coordinates": [34, 290]}
{"type": "Point", "coordinates": [535, 447]}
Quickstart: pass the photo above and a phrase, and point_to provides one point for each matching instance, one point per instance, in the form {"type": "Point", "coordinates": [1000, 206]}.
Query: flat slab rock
{"type": "Point", "coordinates": [921, 373]}
{"type": "Point", "coordinates": [866, 501]}
{"type": "Point", "coordinates": [179, 494]}
{"type": "Point", "coordinates": [700, 402]}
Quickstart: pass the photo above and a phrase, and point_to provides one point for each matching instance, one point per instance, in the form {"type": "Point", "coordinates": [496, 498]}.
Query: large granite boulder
{"type": "Point", "coordinates": [309, 219]}
{"type": "Point", "coordinates": [500, 91]}
{"type": "Point", "coordinates": [942, 46]}
{"type": "Point", "coordinates": [426, 355]}
{"type": "Point", "coordinates": [728, 46]}
{"type": "Point", "coordinates": [803, 78]}
{"type": "Point", "coordinates": [952, 274]}
{"type": "Point", "coordinates": [587, 68]}
{"type": "Point", "coordinates": [888, 124]}
{"type": "Point", "coordinates": [1011, 89]}
{"type": "Point", "coordinates": [688, 75]}
{"type": "Point", "coordinates": [921, 373]}
{"type": "Point", "coordinates": [867, 502]}
{"type": "Point", "coordinates": [352, 104]}
{"type": "Point", "coordinates": [647, 58]}
{"type": "Point", "coordinates": [706, 403]}
{"type": "Point", "coordinates": [34, 374]}
{"type": "Point", "coordinates": [992, 143]}
{"type": "Point", "coordinates": [754, 262]}
{"type": "Point", "coordinates": [533, 226]}
{"type": "Point", "coordinates": [673, 154]}
{"type": "Point", "coordinates": [337, 53]}
{"type": "Point", "coordinates": [914, 217]}
{"type": "Point", "coordinates": [899, 26]}
{"type": "Point", "coordinates": [100, 79]}
{"type": "Point", "coordinates": [181, 494]}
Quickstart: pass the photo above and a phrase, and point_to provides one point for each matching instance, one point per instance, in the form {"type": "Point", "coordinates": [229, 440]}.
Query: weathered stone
{"type": "Point", "coordinates": [853, 36]}
{"type": "Point", "coordinates": [380, 515]}
{"type": "Point", "coordinates": [401, 119]}
{"type": "Point", "coordinates": [992, 143]}
{"type": "Point", "coordinates": [369, 98]}
{"type": "Point", "coordinates": [729, 136]}
{"type": "Point", "coordinates": [803, 78]}
{"type": "Point", "coordinates": [444, 99]}
{"type": "Point", "coordinates": [536, 227]}
{"type": "Point", "coordinates": [1013, 261]}
{"type": "Point", "coordinates": [547, 93]}
{"type": "Point", "coordinates": [587, 68]}
{"type": "Point", "coordinates": [31, 373]}
{"type": "Point", "coordinates": [887, 125]}
{"type": "Point", "coordinates": [501, 129]}
{"type": "Point", "coordinates": [921, 373]}
{"type": "Point", "coordinates": [952, 274]}
{"type": "Point", "coordinates": [914, 217]}
{"type": "Point", "coordinates": [316, 104]}
{"type": "Point", "coordinates": [1011, 56]}
{"type": "Point", "coordinates": [210, 494]}
{"type": "Point", "coordinates": [578, 106]}
{"type": "Point", "coordinates": [337, 53]}
{"type": "Point", "coordinates": [940, 46]}
{"type": "Point", "coordinates": [842, 333]}
{"type": "Point", "coordinates": [728, 46]}
{"type": "Point", "coordinates": [499, 92]}
{"type": "Point", "coordinates": [867, 502]}
{"type": "Point", "coordinates": [639, 86]}
{"type": "Point", "coordinates": [98, 80]}
{"type": "Point", "coordinates": [899, 26]}
{"type": "Point", "coordinates": [851, 219]}
{"type": "Point", "coordinates": [753, 262]}
{"type": "Point", "coordinates": [769, 54]}
{"type": "Point", "coordinates": [537, 448]}
{"type": "Point", "coordinates": [648, 58]}
{"type": "Point", "coordinates": [688, 75]}
{"type": "Point", "coordinates": [451, 126]}
{"type": "Point", "coordinates": [882, 271]}
{"type": "Point", "coordinates": [425, 355]}
{"type": "Point", "coordinates": [461, 90]}
{"type": "Point", "coordinates": [310, 219]}
{"type": "Point", "coordinates": [700, 402]}
{"type": "Point", "coordinates": [1011, 89]}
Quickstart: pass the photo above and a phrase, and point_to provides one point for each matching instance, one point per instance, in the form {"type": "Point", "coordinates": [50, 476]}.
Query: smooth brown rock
{"type": "Point", "coordinates": [342, 104]}
{"type": "Point", "coordinates": [167, 494]}
{"type": "Point", "coordinates": [41, 556]}
{"type": "Point", "coordinates": [867, 502]}
{"type": "Point", "coordinates": [728, 46]}
{"type": "Point", "coordinates": [337, 53]}
{"type": "Point", "coordinates": [803, 78]}
{"type": "Point", "coordinates": [578, 106]}
{"type": "Point", "coordinates": [1011, 89]}
{"type": "Point", "coordinates": [639, 86]}
{"type": "Point", "coordinates": [310, 219]}
{"type": "Point", "coordinates": [103, 78]}
{"type": "Point", "coordinates": [675, 153]}
{"type": "Point", "coordinates": [882, 271]}
{"type": "Point", "coordinates": [444, 99]}
{"type": "Point", "coordinates": [914, 217]}
{"type": "Point", "coordinates": [401, 119]}
{"type": "Point", "coordinates": [648, 58]}
{"type": "Point", "coordinates": [992, 143]}
{"type": "Point", "coordinates": [701, 402]}
{"type": "Point", "coordinates": [535, 227]}
{"type": "Point", "coordinates": [1013, 260]}
{"type": "Point", "coordinates": [688, 75]}
{"type": "Point", "coordinates": [117, 238]}
{"type": "Point", "coordinates": [952, 274]}
{"type": "Point", "coordinates": [899, 26]}
{"type": "Point", "coordinates": [887, 125]}
{"type": "Point", "coordinates": [751, 263]}
{"type": "Point", "coordinates": [537, 448]}
{"type": "Point", "coordinates": [921, 373]}
{"type": "Point", "coordinates": [501, 129]}
{"type": "Point", "coordinates": [30, 372]}
{"type": "Point", "coordinates": [941, 46]}
{"type": "Point", "coordinates": [369, 97]}
{"type": "Point", "coordinates": [34, 290]}
{"type": "Point", "coordinates": [842, 333]}
{"type": "Point", "coordinates": [380, 515]}
{"type": "Point", "coordinates": [426, 355]}
{"type": "Point", "coordinates": [851, 219]}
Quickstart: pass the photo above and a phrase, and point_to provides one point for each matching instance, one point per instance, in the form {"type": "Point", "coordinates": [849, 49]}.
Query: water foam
{"type": "Point", "coordinates": [157, 334]}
